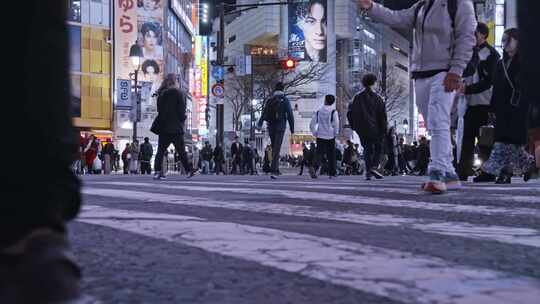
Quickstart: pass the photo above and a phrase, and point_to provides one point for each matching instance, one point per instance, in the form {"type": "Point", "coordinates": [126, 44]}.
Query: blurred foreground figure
{"type": "Point", "coordinates": [34, 264]}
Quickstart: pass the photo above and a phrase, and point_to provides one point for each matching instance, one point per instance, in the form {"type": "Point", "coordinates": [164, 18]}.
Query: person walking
{"type": "Point", "coordinates": [91, 153]}
{"type": "Point", "coordinates": [477, 91]}
{"type": "Point", "coordinates": [108, 157]}
{"type": "Point", "coordinates": [206, 158]}
{"type": "Point", "coordinates": [125, 159]}
{"type": "Point", "coordinates": [236, 156]}
{"type": "Point", "coordinates": [325, 127]}
{"type": "Point", "coordinates": [169, 124]}
{"type": "Point", "coordinates": [147, 151]}
{"type": "Point", "coordinates": [219, 159]}
{"type": "Point", "coordinates": [277, 112]}
{"type": "Point", "coordinates": [367, 117]}
{"type": "Point", "coordinates": [442, 47]}
{"type": "Point", "coordinates": [248, 159]}
{"type": "Point", "coordinates": [303, 159]}
{"type": "Point", "coordinates": [511, 111]}
{"type": "Point", "coordinates": [134, 152]}
{"type": "Point", "coordinates": [267, 160]}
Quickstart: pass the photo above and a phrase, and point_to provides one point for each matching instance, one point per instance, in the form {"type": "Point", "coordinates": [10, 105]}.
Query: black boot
{"type": "Point", "coordinates": [484, 178]}
{"type": "Point", "coordinates": [532, 173]}
{"type": "Point", "coordinates": [504, 178]}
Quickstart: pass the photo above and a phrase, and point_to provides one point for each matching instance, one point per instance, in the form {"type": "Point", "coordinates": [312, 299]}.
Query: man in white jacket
{"type": "Point", "coordinates": [325, 127]}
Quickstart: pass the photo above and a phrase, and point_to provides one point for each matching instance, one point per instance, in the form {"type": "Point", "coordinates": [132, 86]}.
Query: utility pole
{"type": "Point", "coordinates": [221, 61]}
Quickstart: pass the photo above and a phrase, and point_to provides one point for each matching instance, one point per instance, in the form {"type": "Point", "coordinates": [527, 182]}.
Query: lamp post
{"type": "Point", "coordinates": [136, 54]}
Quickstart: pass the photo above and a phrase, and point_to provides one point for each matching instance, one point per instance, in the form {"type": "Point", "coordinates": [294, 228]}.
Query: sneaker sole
{"type": "Point", "coordinates": [433, 188]}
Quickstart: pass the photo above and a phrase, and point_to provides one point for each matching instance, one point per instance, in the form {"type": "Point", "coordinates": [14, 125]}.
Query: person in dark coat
{"type": "Point", "coordinates": [367, 117]}
{"type": "Point", "coordinates": [478, 93]}
{"type": "Point", "coordinates": [147, 151]}
{"type": "Point", "coordinates": [277, 113]}
{"type": "Point", "coordinates": [236, 156]}
{"type": "Point", "coordinates": [219, 159]}
{"type": "Point", "coordinates": [511, 111]}
{"type": "Point", "coordinates": [35, 263]}
{"type": "Point", "coordinates": [169, 124]}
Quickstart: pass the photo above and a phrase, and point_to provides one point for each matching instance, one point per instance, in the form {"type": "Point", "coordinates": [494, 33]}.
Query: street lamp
{"type": "Point", "coordinates": [136, 54]}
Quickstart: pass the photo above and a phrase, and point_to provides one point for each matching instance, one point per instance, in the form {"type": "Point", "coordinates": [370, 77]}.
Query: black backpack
{"type": "Point", "coordinates": [452, 11]}
{"type": "Point", "coordinates": [274, 109]}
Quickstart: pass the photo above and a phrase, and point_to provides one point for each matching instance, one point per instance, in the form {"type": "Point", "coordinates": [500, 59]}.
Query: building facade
{"type": "Point", "coordinates": [165, 31]}
{"type": "Point", "coordinates": [89, 25]}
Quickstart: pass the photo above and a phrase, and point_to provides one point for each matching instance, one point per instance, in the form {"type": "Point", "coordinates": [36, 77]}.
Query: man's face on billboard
{"type": "Point", "coordinates": [314, 27]}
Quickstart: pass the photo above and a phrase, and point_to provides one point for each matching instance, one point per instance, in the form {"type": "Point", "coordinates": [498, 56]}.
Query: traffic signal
{"type": "Point", "coordinates": [287, 64]}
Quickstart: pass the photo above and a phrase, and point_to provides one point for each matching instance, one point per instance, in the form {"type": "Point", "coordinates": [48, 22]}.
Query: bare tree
{"type": "Point", "coordinates": [237, 95]}
{"type": "Point", "coordinates": [238, 88]}
{"type": "Point", "coordinates": [396, 96]}
{"type": "Point", "coordinates": [266, 78]}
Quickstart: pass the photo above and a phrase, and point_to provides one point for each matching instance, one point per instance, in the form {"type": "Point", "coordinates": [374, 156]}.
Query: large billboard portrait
{"type": "Point", "coordinates": [307, 30]}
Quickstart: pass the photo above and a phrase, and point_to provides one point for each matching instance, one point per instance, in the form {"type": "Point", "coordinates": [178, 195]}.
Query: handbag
{"type": "Point", "coordinates": [487, 136]}
{"type": "Point", "coordinates": [97, 165]}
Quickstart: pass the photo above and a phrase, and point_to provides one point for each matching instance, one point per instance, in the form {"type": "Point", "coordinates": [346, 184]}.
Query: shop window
{"type": "Point", "coordinates": [74, 10]}
{"type": "Point", "coordinates": [76, 95]}
{"type": "Point", "coordinates": [75, 48]}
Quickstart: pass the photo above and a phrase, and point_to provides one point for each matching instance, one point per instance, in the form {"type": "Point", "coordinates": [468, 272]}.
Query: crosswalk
{"type": "Point", "coordinates": [388, 238]}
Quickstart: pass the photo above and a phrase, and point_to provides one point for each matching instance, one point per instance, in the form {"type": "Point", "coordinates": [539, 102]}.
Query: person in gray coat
{"type": "Point", "coordinates": [442, 47]}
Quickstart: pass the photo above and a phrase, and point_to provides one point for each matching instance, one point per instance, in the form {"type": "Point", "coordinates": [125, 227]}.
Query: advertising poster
{"type": "Point", "coordinates": [150, 39]}
{"type": "Point", "coordinates": [125, 29]}
{"type": "Point", "coordinates": [307, 40]}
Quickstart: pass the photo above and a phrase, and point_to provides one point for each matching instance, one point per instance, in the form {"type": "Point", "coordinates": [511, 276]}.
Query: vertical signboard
{"type": "Point", "coordinates": [308, 35]}
{"type": "Point", "coordinates": [125, 29]}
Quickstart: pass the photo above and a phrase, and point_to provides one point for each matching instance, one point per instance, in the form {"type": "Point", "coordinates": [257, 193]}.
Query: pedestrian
{"type": "Point", "coordinates": [35, 263]}
{"type": "Point", "coordinates": [206, 158]}
{"type": "Point", "coordinates": [116, 160]}
{"type": "Point", "coordinates": [443, 45]}
{"type": "Point", "coordinates": [126, 157]}
{"type": "Point", "coordinates": [147, 151]}
{"type": "Point", "coordinates": [236, 156]}
{"type": "Point", "coordinates": [247, 158]}
{"type": "Point", "coordinates": [90, 153]}
{"type": "Point", "coordinates": [277, 112]}
{"type": "Point", "coordinates": [325, 127]}
{"type": "Point", "coordinates": [391, 142]}
{"type": "Point", "coordinates": [134, 152]}
{"type": "Point", "coordinates": [477, 91]}
{"type": "Point", "coordinates": [303, 160]}
{"type": "Point", "coordinates": [219, 159]}
{"type": "Point", "coordinates": [169, 124]}
{"type": "Point", "coordinates": [422, 157]}
{"type": "Point", "coordinates": [367, 117]}
{"type": "Point", "coordinates": [511, 111]}
{"type": "Point", "coordinates": [267, 161]}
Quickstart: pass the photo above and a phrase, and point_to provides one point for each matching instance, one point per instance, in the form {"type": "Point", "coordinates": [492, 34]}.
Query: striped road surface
{"type": "Point", "coordinates": [248, 239]}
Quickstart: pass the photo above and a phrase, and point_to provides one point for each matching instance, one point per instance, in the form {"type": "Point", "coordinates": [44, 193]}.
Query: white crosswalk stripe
{"type": "Point", "coordinates": [403, 276]}
{"type": "Point", "coordinates": [398, 275]}
{"type": "Point", "coordinates": [349, 199]}
{"type": "Point", "coordinates": [511, 235]}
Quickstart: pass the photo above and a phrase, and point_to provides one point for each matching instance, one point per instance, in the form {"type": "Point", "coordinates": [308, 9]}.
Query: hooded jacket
{"type": "Point", "coordinates": [325, 123]}
{"type": "Point", "coordinates": [367, 115]}
{"type": "Point", "coordinates": [437, 45]}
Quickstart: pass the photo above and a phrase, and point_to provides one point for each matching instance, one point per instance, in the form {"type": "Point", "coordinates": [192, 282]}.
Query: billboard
{"type": "Point", "coordinates": [308, 36]}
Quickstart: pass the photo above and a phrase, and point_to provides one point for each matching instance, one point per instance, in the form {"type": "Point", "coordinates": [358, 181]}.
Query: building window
{"type": "Point", "coordinates": [232, 38]}
{"type": "Point", "coordinates": [500, 23]}
{"type": "Point", "coordinates": [369, 51]}
{"type": "Point", "coordinates": [74, 10]}
{"type": "Point", "coordinates": [76, 95]}
{"type": "Point", "coordinates": [75, 48]}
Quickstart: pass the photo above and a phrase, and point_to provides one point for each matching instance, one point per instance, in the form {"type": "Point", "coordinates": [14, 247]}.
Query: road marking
{"type": "Point", "coordinates": [510, 235]}
{"type": "Point", "coordinates": [349, 199]}
{"type": "Point", "coordinates": [398, 275]}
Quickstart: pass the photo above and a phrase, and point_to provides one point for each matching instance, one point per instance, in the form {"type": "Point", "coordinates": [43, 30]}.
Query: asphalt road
{"type": "Point", "coordinates": [247, 239]}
